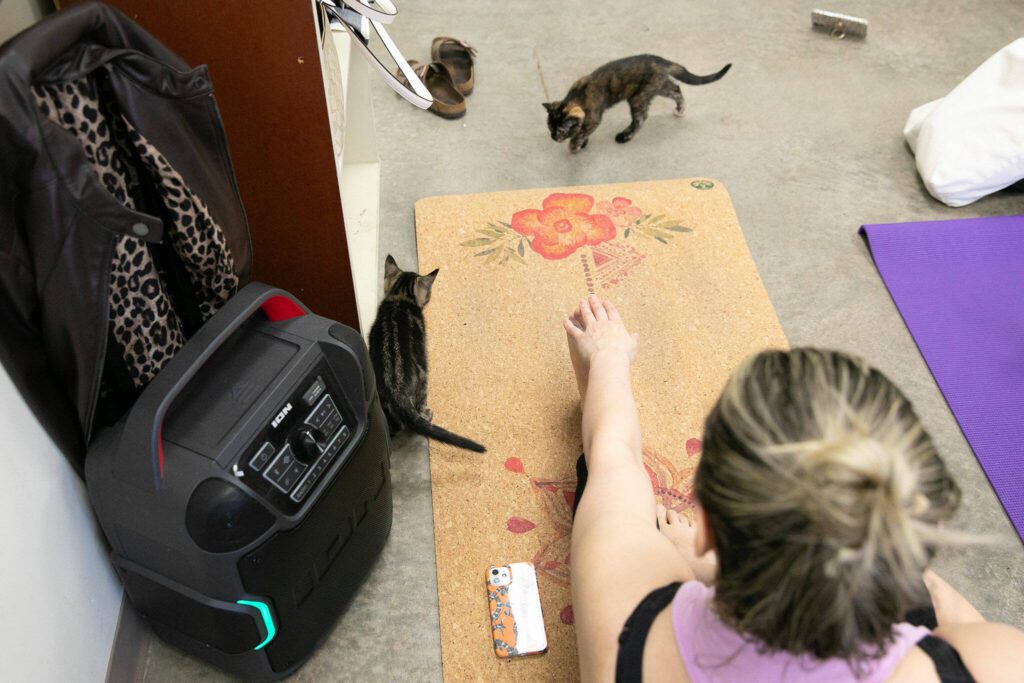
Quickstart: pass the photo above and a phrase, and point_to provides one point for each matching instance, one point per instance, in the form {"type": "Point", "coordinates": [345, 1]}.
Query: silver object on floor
{"type": "Point", "coordinates": [838, 25]}
{"type": "Point", "coordinates": [364, 18]}
{"type": "Point", "coordinates": [378, 10]}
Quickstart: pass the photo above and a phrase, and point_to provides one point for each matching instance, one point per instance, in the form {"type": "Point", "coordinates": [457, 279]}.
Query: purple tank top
{"type": "Point", "coordinates": [712, 651]}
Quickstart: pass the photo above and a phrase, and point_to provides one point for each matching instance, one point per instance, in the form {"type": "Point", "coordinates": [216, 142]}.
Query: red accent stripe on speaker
{"type": "Point", "coordinates": [160, 450]}
{"type": "Point", "coordinates": [278, 308]}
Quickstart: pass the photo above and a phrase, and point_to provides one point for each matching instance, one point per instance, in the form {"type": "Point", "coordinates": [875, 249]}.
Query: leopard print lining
{"type": "Point", "coordinates": [143, 321]}
{"type": "Point", "coordinates": [196, 237]}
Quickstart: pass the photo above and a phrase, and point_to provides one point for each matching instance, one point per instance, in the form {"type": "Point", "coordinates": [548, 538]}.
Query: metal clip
{"type": "Point", "coordinates": [839, 25]}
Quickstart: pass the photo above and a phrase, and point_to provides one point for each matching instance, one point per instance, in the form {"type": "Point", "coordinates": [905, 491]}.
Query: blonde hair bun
{"type": "Point", "coordinates": [823, 491]}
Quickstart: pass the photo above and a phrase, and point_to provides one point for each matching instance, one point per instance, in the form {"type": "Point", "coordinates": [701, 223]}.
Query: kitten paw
{"type": "Point", "coordinates": [623, 138]}
{"type": "Point", "coordinates": [678, 113]}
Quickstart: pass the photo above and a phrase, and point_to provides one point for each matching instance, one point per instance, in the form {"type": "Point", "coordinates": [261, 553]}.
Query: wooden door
{"type": "Point", "coordinates": [265, 65]}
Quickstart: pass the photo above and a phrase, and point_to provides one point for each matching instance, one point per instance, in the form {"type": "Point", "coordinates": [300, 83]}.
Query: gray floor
{"type": "Point", "coordinates": [805, 132]}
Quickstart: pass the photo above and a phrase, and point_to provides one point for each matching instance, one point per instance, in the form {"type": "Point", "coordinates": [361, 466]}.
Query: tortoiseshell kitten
{"type": "Point", "coordinates": [638, 80]}
{"type": "Point", "coordinates": [398, 351]}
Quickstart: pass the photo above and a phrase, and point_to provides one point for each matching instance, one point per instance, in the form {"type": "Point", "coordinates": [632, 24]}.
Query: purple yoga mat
{"type": "Point", "coordinates": [959, 286]}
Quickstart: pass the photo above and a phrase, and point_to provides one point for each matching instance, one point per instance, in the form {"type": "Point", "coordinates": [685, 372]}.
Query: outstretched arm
{"type": "Point", "coordinates": [618, 556]}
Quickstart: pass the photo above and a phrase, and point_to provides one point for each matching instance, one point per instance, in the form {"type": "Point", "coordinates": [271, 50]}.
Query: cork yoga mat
{"type": "Point", "coordinates": [671, 256]}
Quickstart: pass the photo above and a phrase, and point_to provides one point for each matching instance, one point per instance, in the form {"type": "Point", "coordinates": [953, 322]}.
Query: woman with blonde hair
{"type": "Point", "coordinates": [819, 503]}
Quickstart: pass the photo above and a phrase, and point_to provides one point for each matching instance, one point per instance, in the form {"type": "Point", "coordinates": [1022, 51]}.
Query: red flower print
{"type": "Point", "coordinates": [519, 525]}
{"type": "Point", "coordinates": [556, 498]}
{"type": "Point", "coordinates": [673, 486]}
{"type": "Point", "coordinates": [564, 225]}
{"type": "Point", "coordinates": [620, 210]}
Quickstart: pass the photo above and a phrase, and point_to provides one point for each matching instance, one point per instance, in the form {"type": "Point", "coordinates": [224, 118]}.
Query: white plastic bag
{"type": "Point", "coordinates": [970, 143]}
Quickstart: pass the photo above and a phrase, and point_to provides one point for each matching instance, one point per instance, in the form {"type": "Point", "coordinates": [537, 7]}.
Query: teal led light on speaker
{"type": "Point", "coordinates": [267, 620]}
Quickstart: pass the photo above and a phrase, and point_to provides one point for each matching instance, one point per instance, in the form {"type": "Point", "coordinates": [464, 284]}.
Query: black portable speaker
{"type": "Point", "coordinates": [247, 493]}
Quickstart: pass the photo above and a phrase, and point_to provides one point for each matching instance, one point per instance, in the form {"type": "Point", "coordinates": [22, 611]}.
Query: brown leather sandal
{"type": "Point", "coordinates": [448, 101]}
{"type": "Point", "coordinates": [457, 57]}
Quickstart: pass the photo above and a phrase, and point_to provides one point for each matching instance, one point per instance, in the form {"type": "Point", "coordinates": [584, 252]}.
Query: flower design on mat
{"type": "Point", "coordinates": [500, 243]}
{"type": "Point", "coordinates": [556, 498]}
{"type": "Point", "coordinates": [620, 210]}
{"type": "Point", "coordinates": [702, 184]}
{"type": "Point", "coordinates": [672, 485]}
{"type": "Point", "coordinates": [563, 225]}
{"type": "Point", "coordinates": [614, 261]}
{"type": "Point", "coordinates": [566, 223]}
{"type": "Point", "coordinates": [660, 228]}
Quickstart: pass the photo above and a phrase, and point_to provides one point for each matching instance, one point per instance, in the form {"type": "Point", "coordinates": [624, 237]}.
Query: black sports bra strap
{"type": "Point", "coordinates": [629, 665]}
{"type": "Point", "coordinates": [947, 660]}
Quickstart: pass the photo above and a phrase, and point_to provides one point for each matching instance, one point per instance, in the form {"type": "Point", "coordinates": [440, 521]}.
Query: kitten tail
{"type": "Point", "coordinates": [417, 423]}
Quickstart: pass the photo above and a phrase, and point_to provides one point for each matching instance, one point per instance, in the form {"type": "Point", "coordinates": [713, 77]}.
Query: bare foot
{"type": "Point", "coordinates": [683, 535]}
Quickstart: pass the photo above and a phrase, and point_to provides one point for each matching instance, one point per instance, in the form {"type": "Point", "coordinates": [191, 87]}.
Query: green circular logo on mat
{"type": "Point", "coordinates": [702, 184]}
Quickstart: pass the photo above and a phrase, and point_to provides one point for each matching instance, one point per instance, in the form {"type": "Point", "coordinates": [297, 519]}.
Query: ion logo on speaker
{"type": "Point", "coordinates": [282, 415]}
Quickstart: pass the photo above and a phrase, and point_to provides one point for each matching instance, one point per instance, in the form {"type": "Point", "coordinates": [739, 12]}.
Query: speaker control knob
{"type": "Point", "coordinates": [306, 444]}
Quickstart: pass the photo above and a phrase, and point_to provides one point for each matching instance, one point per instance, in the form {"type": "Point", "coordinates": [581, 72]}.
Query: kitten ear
{"type": "Point", "coordinates": [428, 279]}
{"type": "Point", "coordinates": [550, 106]}
{"type": "Point", "coordinates": [423, 285]}
{"type": "Point", "coordinates": [390, 267]}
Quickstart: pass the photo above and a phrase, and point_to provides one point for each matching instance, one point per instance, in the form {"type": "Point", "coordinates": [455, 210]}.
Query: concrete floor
{"type": "Point", "coordinates": [805, 132]}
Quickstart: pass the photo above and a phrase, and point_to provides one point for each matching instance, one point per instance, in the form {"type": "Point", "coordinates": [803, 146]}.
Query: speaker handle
{"type": "Point", "coordinates": [145, 419]}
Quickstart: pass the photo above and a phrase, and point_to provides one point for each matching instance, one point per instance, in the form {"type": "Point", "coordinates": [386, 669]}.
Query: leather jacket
{"type": "Point", "coordinates": [59, 223]}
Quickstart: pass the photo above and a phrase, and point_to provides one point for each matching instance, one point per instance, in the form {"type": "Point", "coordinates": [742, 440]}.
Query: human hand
{"type": "Point", "coordinates": [596, 328]}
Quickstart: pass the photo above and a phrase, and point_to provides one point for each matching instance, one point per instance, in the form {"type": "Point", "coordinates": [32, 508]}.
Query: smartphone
{"type": "Point", "coordinates": [517, 623]}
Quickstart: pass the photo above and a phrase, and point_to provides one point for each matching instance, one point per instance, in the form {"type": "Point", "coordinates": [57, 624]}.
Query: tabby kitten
{"type": "Point", "coordinates": [638, 80]}
{"type": "Point", "coordinates": [398, 351]}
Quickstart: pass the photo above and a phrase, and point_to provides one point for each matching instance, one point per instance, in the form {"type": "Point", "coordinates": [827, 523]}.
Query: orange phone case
{"type": "Point", "coordinates": [515, 637]}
